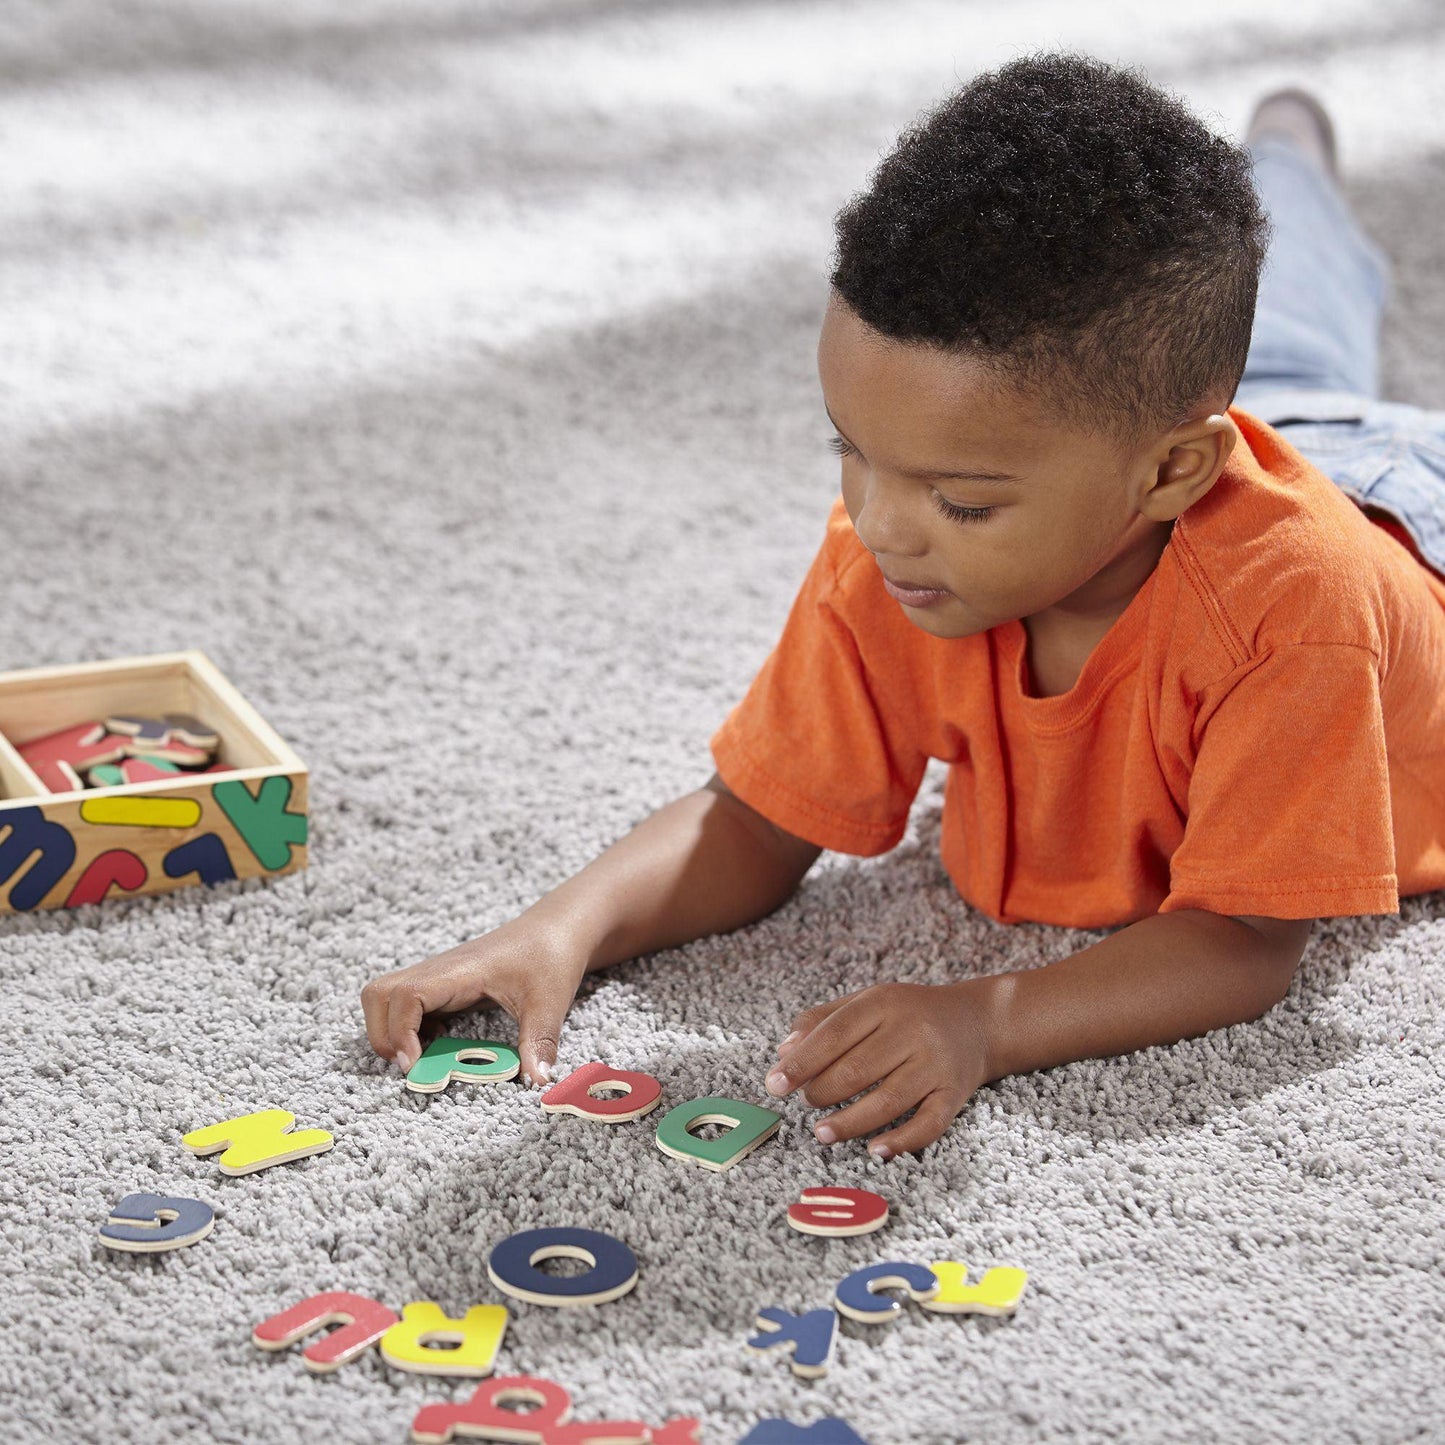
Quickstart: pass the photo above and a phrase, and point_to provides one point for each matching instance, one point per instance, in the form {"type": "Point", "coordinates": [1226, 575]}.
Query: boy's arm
{"type": "Point", "coordinates": [706, 863]}
{"type": "Point", "coordinates": [1168, 977]}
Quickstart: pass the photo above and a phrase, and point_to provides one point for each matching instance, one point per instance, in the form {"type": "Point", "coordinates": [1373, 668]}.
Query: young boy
{"type": "Point", "coordinates": [1184, 682]}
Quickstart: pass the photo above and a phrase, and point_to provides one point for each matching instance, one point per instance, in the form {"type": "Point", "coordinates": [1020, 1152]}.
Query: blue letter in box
{"type": "Point", "coordinates": [31, 830]}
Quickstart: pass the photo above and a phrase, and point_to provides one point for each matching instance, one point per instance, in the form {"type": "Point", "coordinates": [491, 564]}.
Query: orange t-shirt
{"type": "Point", "coordinates": [1262, 730]}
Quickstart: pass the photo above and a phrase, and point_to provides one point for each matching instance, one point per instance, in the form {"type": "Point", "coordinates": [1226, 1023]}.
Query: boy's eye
{"type": "Point", "coordinates": [956, 513]}
{"type": "Point", "coordinates": [951, 510]}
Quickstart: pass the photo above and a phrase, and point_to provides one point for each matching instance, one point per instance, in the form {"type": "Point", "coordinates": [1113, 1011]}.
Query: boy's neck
{"type": "Point", "coordinates": [1094, 607]}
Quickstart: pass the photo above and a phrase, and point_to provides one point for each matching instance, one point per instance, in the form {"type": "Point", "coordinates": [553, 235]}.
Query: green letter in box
{"type": "Point", "coordinates": [269, 830]}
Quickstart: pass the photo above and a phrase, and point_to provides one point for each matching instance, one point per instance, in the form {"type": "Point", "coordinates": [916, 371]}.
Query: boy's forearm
{"type": "Point", "coordinates": [1168, 977]}
{"type": "Point", "coordinates": [693, 868]}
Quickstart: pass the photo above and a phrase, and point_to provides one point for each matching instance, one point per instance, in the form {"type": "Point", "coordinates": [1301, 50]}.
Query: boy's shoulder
{"type": "Point", "coordinates": [1276, 553]}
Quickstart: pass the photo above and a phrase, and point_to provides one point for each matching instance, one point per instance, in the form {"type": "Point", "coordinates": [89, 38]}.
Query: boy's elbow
{"type": "Point", "coordinates": [1283, 942]}
{"type": "Point", "coordinates": [798, 854]}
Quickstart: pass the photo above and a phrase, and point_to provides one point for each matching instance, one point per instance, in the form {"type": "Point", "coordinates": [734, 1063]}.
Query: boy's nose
{"type": "Point", "coordinates": [887, 528]}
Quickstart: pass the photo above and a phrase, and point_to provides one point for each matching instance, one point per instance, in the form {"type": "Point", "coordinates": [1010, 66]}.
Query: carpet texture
{"type": "Point", "coordinates": [445, 371]}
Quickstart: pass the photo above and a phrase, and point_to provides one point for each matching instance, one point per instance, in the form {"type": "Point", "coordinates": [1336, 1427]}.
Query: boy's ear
{"type": "Point", "coordinates": [1188, 462]}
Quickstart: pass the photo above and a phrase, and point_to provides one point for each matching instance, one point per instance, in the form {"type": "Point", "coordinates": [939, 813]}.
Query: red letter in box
{"type": "Point", "coordinates": [58, 758]}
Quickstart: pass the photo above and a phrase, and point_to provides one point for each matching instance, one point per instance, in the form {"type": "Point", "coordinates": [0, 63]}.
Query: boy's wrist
{"type": "Point", "coordinates": [559, 928]}
{"type": "Point", "coordinates": [990, 998]}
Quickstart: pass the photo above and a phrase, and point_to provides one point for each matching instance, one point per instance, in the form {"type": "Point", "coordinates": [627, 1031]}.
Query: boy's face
{"type": "Point", "coordinates": [1069, 541]}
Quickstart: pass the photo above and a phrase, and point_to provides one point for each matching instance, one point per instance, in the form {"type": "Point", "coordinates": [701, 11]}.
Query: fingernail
{"type": "Point", "coordinates": [404, 1061]}
{"type": "Point", "coordinates": [881, 1151]}
{"type": "Point", "coordinates": [543, 1072]}
{"type": "Point", "coordinates": [796, 1034]}
{"type": "Point", "coordinates": [826, 1134]}
{"type": "Point", "coordinates": [777, 1082]}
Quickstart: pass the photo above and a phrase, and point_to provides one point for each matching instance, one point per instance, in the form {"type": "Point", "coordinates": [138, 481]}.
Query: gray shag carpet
{"type": "Point", "coordinates": [445, 371]}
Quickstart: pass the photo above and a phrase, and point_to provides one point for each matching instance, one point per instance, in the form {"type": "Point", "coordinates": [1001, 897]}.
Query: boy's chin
{"type": "Point", "coordinates": [947, 620]}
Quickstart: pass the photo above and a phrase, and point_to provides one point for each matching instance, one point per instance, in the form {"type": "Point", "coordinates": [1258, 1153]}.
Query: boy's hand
{"type": "Point", "coordinates": [531, 973]}
{"type": "Point", "coordinates": [924, 1046]}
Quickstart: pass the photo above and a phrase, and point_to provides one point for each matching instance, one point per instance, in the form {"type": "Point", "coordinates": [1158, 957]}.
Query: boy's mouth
{"type": "Point", "coordinates": [914, 595]}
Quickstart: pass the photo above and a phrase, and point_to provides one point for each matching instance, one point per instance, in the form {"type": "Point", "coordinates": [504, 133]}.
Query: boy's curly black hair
{"type": "Point", "coordinates": [1074, 228]}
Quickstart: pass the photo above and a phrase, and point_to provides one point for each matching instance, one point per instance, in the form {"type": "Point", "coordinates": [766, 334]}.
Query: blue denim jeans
{"type": "Point", "coordinates": [1313, 367]}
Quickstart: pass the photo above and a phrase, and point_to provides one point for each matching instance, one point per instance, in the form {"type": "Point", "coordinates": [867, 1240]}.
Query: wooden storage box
{"type": "Point", "coordinates": [61, 849]}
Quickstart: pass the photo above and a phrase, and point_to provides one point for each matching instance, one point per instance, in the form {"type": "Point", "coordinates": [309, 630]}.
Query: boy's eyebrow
{"type": "Point", "coordinates": [929, 475]}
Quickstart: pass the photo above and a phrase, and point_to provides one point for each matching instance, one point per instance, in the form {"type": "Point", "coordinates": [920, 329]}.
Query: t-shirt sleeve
{"type": "Point", "coordinates": [824, 742]}
{"type": "Point", "coordinates": [1289, 800]}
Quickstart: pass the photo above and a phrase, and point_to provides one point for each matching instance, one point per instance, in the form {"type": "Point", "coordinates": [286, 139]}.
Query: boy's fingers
{"type": "Point", "coordinates": [403, 1024]}
{"type": "Point", "coordinates": [929, 1124]}
{"type": "Point", "coordinates": [876, 1057]}
{"type": "Point", "coordinates": [895, 1095]}
{"type": "Point", "coordinates": [810, 1018]}
{"type": "Point", "coordinates": [539, 1029]}
{"type": "Point", "coordinates": [809, 1056]}
{"type": "Point", "coordinates": [373, 1009]}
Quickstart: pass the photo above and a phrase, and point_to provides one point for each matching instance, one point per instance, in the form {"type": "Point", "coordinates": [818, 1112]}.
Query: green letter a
{"type": "Point", "coordinates": [748, 1125]}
